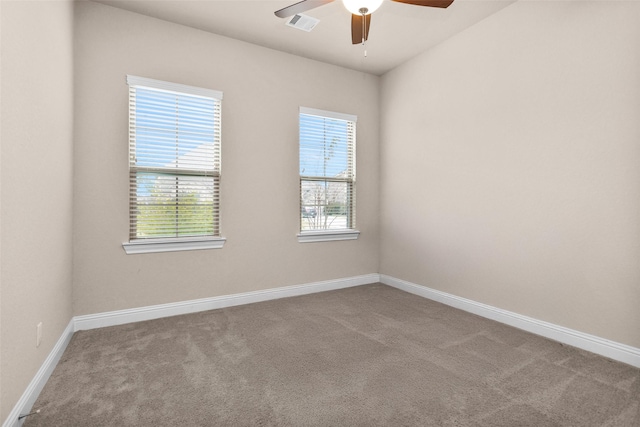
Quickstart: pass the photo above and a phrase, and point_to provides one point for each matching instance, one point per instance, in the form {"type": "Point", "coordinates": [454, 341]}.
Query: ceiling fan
{"type": "Point", "coordinates": [361, 11]}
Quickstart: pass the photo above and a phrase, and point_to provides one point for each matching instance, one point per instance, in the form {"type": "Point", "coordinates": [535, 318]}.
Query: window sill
{"type": "Point", "coordinates": [172, 245]}
{"type": "Point", "coordinates": [327, 235]}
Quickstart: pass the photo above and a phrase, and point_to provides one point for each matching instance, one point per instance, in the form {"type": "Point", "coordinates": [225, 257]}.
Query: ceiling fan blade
{"type": "Point", "coordinates": [356, 28]}
{"type": "Point", "coordinates": [301, 6]}
{"type": "Point", "coordinates": [431, 3]}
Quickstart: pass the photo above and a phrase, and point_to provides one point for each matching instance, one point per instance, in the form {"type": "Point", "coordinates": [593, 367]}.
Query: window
{"type": "Point", "coordinates": [174, 167]}
{"type": "Point", "coordinates": [327, 176]}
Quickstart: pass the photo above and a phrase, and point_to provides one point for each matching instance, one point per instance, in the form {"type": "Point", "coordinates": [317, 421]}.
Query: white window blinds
{"type": "Point", "coordinates": [327, 170]}
{"type": "Point", "coordinates": [174, 160]}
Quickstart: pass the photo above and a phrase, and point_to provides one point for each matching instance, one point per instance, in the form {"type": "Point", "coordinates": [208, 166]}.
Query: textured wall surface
{"type": "Point", "coordinates": [263, 90]}
{"type": "Point", "coordinates": [37, 188]}
{"type": "Point", "coordinates": [509, 165]}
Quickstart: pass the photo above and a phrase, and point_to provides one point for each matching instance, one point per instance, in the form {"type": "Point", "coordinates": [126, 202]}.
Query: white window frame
{"type": "Point", "coordinates": [325, 235]}
{"type": "Point", "coordinates": [152, 245]}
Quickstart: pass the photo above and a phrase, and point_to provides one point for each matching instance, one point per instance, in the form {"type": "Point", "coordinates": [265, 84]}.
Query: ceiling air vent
{"type": "Point", "coordinates": [303, 22]}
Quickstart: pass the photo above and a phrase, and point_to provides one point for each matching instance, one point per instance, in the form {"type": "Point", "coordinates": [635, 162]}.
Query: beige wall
{"type": "Point", "coordinates": [36, 186]}
{"type": "Point", "coordinates": [262, 92]}
{"type": "Point", "coordinates": [510, 165]}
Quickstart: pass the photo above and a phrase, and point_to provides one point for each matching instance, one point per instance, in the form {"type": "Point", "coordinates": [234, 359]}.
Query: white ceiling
{"type": "Point", "coordinates": [398, 31]}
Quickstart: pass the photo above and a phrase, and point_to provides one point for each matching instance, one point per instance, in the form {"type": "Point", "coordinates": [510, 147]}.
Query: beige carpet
{"type": "Point", "coordinates": [364, 356]}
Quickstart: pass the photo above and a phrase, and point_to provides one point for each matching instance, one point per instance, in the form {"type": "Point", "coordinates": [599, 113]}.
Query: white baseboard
{"type": "Point", "coordinates": [611, 349]}
{"type": "Point", "coordinates": [121, 317]}
{"type": "Point", "coordinates": [28, 398]}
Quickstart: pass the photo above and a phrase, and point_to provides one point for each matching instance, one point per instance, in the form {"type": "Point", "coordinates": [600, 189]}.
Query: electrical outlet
{"type": "Point", "coordinates": [38, 334]}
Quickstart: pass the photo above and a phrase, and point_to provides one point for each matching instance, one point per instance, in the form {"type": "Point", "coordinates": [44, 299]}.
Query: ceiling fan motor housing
{"type": "Point", "coordinates": [362, 7]}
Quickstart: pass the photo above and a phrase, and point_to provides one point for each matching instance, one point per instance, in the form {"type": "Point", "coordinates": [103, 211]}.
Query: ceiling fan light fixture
{"type": "Point", "coordinates": [357, 7]}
